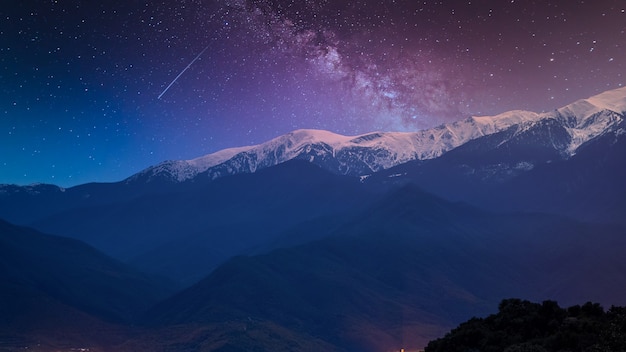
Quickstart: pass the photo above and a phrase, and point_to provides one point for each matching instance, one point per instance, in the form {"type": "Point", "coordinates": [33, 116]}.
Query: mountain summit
{"type": "Point", "coordinates": [364, 154]}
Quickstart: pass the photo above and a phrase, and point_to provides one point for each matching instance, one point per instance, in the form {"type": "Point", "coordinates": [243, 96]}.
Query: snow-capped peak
{"type": "Point", "coordinates": [492, 124]}
{"type": "Point", "coordinates": [312, 136]}
{"type": "Point", "coordinates": [588, 118]}
{"type": "Point", "coordinates": [579, 111]}
{"type": "Point", "coordinates": [204, 162]}
{"type": "Point", "coordinates": [367, 153]}
{"type": "Point", "coordinates": [614, 100]}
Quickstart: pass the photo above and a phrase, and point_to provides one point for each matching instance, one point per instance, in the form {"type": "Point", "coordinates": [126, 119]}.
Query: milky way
{"type": "Point", "coordinates": [95, 92]}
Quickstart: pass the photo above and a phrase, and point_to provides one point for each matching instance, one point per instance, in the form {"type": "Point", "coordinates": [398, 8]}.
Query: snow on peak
{"type": "Point", "coordinates": [492, 124]}
{"type": "Point", "coordinates": [303, 136]}
{"type": "Point", "coordinates": [312, 144]}
{"type": "Point", "coordinates": [207, 161]}
{"type": "Point", "coordinates": [181, 170]}
{"type": "Point", "coordinates": [614, 100]}
{"type": "Point", "coordinates": [588, 118]}
{"type": "Point", "coordinates": [298, 138]}
{"type": "Point", "coordinates": [584, 120]}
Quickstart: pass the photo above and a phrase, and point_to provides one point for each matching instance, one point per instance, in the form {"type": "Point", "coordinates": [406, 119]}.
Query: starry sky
{"type": "Point", "coordinates": [98, 90]}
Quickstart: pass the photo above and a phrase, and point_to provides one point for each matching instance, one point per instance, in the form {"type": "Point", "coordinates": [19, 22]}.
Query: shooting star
{"type": "Point", "coordinates": [183, 71]}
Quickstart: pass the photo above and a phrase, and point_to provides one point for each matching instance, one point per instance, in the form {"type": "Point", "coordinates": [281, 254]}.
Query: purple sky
{"type": "Point", "coordinates": [81, 80]}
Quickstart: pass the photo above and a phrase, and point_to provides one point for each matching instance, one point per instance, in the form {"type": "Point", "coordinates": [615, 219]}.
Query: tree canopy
{"type": "Point", "coordinates": [523, 326]}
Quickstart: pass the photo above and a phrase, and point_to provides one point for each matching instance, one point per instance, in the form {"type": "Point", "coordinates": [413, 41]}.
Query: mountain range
{"type": "Point", "coordinates": [317, 241]}
{"type": "Point", "coordinates": [401, 270]}
{"type": "Point", "coordinates": [574, 125]}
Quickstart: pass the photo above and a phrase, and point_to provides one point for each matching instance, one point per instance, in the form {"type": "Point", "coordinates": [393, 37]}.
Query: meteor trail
{"type": "Point", "coordinates": [183, 71]}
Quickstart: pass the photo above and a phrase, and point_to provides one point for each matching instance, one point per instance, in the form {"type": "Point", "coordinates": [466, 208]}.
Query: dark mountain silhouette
{"type": "Point", "coordinates": [24, 205]}
{"type": "Point", "coordinates": [527, 173]}
{"type": "Point", "coordinates": [588, 186]}
{"type": "Point", "coordinates": [58, 290]}
{"type": "Point", "coordinates": [404, 271]}
{"type": "Point", "coordinates": [187, 232]}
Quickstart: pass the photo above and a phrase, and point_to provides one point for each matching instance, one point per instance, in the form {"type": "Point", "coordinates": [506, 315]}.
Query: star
{"type": "Point", "coordinates": [116, 86]}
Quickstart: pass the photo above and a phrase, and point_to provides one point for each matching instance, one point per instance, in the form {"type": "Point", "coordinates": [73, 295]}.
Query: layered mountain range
{"type": "Point", "coordinates": [317, 241]}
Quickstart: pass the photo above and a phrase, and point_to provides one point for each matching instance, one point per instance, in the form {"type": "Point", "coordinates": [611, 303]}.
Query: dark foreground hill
{"type": "Point", "coordinates": [56, 291]}
{"type": "Point", "coordinates": [403, 272]}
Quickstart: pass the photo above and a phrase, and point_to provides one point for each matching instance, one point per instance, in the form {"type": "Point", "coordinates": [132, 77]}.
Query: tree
{"type": "Point", "coordinates": [523, 326]}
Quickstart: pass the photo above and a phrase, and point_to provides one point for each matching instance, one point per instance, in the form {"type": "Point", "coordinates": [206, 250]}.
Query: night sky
{"type": "Point", "coordinates": [86, 94]}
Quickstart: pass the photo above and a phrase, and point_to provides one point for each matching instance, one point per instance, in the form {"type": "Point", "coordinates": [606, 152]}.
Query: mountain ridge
{"type": "Point", "coordinates": [364, 154]}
